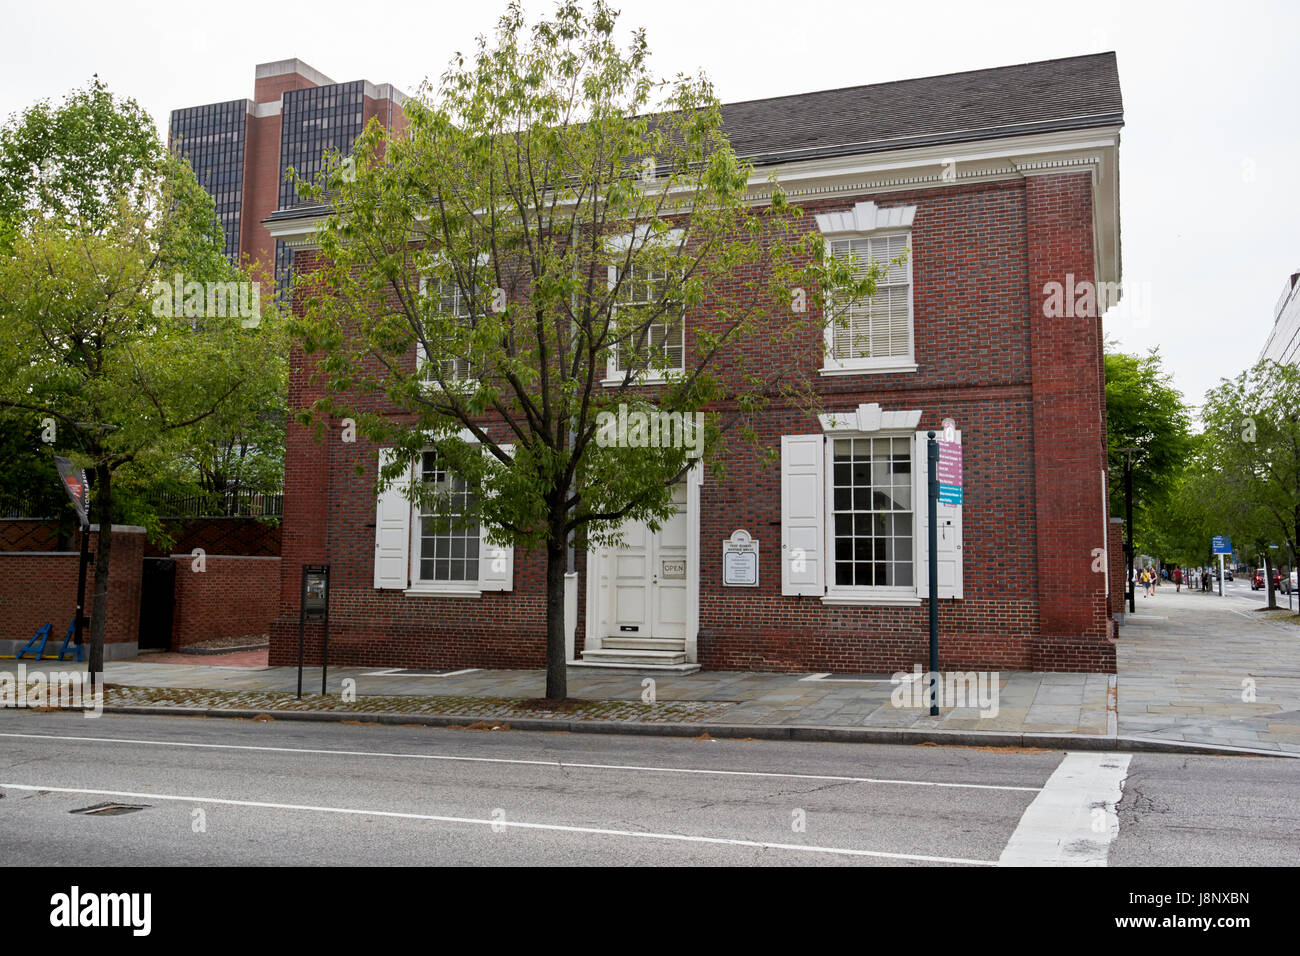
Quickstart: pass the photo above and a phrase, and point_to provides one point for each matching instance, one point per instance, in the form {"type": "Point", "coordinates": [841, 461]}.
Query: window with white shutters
{"type": "Point", "coordinates": [437, 548]}
{"type": "Point", "coordinates": [854, 520]}
{"type": "Point", "coordinates": [449, 541]}
{"type": "Point", "coordinates": [874, 333]}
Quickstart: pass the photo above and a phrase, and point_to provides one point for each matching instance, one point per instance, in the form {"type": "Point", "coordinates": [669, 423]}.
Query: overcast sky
{"type": "Point", "coordinates": [1209, 157]}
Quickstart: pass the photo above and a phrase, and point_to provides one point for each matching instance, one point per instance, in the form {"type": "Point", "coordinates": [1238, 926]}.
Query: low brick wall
{"type": "Point", "coordinates": [1117, 571]}
{"type": "Point", "coordinates": [231, 596]}
{"type": "Point", "coordinates": [222, 536]}
{"type": "Point", "coordinates": [30, 534]}
{"type": "Point", "coordinates": [40, 587]}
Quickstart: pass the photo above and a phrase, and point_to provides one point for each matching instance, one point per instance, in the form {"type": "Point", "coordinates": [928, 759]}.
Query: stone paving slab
{"type": "Point", "coordinates": [1211, 669]}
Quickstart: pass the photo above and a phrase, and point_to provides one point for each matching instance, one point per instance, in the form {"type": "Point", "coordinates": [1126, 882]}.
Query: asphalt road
{"type": "Point", "coordinates": [1239, 587]}
{"type": "Point", "coordinates": [227, 792]}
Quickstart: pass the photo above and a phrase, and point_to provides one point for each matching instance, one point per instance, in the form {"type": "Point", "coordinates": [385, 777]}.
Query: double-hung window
{"type": "Point", "coordinates": [854, 522]}
{"type": "Point", "coordinates": [448, 541]}
{"type": "Point", "coordinates": [871, 512]}
{"type": "Point", "coordinates": [874, 334]}
{"type": "Point", "coordinates": [434, 546]}
{"type": "Point", "coordinates": [450, 303]}
{"type": "Point", "coordinates": [652, 349]}
{"type": "Point", "coordinates": [877, 331]}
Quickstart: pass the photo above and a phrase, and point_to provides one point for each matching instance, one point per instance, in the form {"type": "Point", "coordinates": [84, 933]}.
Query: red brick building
{"type": "Point", "coordinates": [1003, 184]}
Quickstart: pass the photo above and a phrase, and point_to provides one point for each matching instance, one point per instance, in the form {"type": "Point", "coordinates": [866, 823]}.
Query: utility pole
{"type": "Point", "coordinates": [1128, 525]}
{"type": "Point", "coordinates": [932, 484]}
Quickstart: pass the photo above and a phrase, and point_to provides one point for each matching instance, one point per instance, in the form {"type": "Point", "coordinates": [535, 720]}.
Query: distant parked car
{"type": "Point", "coordinates": [1257, 581]}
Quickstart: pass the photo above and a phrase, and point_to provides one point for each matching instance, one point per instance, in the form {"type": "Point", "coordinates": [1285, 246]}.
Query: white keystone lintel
{"type": "Point", "coordinates": [870, 418]}
{"type": "Point", "coordinates": [866, 217]}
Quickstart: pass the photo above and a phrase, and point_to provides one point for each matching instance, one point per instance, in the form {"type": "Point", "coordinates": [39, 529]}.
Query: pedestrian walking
{"type": "Point", "coordinates": [1178, 580]}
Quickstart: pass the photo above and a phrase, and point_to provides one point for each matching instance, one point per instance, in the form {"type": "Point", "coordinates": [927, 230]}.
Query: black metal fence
{"type": "Point", "coordinates": [238, 505]}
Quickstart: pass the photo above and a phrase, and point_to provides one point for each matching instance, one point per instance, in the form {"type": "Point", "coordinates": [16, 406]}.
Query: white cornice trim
{"type": "Point", "coordinates": [933, 167]}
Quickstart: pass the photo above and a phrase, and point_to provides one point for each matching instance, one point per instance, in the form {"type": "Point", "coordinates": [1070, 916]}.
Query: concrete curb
{"type": "Point", "coordinates": [802, 732]}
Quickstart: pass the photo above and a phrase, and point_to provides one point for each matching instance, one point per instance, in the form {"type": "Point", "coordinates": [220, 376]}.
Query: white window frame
{"type": "Point", "coordinates": [468, 383]}
{"type": "Point", "coordinates": [865, 594]}
{"type": "Point", "coordinates": [421, 585]}
{"type": "Point", "coordinates": [649, 376]}
{"type": "Point", "coordinates": [872, 364]}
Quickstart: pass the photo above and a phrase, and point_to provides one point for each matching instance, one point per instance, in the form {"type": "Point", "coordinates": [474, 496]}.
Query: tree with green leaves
{"type": "Point", "coordinates": [496, 284]}
{"type": "Point", "coordinates": [1147, 423]}
{"type": "Point", "coordinates": [113, 332]}
{"type": "Point", "coordinates": [1253, 424]}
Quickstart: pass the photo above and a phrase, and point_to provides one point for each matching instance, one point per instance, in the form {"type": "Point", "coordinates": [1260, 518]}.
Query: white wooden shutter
{"type": "Point", "coordinates": [950, 531]}
{"type": "Point", "coordinates": [496, 562]}
{"type": "Point", "coordinates": [393, 531]}
{"type": "Point", "coordinates": [803, 514]}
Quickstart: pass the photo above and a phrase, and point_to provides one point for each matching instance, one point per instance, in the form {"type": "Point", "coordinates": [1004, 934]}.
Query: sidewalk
{"type": "Point", "coordinates": [1182, 661]}
{"type": "Point", "coordinates": [1187, 660]}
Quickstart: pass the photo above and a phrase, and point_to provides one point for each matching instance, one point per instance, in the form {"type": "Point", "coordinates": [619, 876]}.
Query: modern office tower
{"type": "Point", "coordinates": [242, 150]}
{"type": "Point", "coordinates": [1283, 343]}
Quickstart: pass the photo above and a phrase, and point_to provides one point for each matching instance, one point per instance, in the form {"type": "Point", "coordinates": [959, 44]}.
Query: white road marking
{"type": "Point", "coordinates": [406, 672]}
{"type": "Point", "coordinates": [532, 763]}
{"type": "Point", "coordinates": [828, 679]}
{"type": "Point", "coordinates": [516, 824]}
{"type": "Point", "coordinates": [1072, 821]}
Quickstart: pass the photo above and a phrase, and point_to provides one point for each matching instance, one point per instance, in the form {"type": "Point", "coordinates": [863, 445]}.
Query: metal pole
{"type": "Point", "coordinates": [325, 652]}
{"type": "Point", "coordinates": [81, 583]}
{"type": "Point", "coordinates": [932, 465]}
{"type": "Point", "coordinates": [300, 626]}
{"type": "Point", "coordinates": [1128, 527]}
{"type": "Point", "coordinates": [1220, 574]}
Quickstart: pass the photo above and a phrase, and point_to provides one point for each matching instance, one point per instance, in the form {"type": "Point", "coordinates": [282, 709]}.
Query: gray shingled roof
{"type": "Point", "coordinates": [1072, 93]}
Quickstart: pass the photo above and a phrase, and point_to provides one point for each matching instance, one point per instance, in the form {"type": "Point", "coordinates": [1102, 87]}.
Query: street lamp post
{"type": "Point", "coordinates": [1128, 525]}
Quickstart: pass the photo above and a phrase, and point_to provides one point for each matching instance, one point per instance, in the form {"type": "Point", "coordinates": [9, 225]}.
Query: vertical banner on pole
{"type": "Point", "coordinates": [932, 465]}
{"type": "Point", "coordinates": [78, 489]}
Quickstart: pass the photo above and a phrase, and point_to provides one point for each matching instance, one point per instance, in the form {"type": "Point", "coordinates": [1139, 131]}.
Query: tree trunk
{"type": "Point", "coordinates": [1268, 583]}
{"type": "Point", "coordinates": [557, 683]}
{"type": "Point", "coordinates": [99, 605]}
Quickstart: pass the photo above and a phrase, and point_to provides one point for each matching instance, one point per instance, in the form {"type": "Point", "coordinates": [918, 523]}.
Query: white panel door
{"type": "Point", "coordinates": [648, 575]}
{"type": "Point", "coordinates": [668, 573]}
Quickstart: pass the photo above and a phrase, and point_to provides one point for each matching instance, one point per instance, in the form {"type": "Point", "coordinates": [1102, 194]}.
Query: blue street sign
{"type": "Point", "coordinates": [1221, 545]}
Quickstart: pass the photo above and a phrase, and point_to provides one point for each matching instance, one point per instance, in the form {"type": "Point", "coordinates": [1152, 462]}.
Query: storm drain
{"type": "Point", "coordinates": [110, 809]}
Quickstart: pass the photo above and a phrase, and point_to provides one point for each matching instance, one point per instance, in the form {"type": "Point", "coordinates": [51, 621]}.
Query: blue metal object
{"type": "Point", "coordinates": [67, 639]}
{"type": "Point", "coordinates": [42, 635]}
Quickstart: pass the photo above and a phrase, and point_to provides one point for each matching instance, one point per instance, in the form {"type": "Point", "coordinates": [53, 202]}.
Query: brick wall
{"type": "Point", "coordinates": [1069, 429]}
{"type": "Point", "coordinates": [1026, 393]}
{"type": "Point", "coordinates": [1118, 572]}
{"type": "Point", "coordinates": [38, 588]}
{"type": "Point", "coordinates": [30, 534]}
{"type": "Point", "coordinates": [232, 596]}
{"type": "Point", "coordinates": [225, 536]}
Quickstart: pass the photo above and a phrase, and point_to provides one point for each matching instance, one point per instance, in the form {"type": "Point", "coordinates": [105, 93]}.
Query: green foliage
{"type": "Point", "coordinates": [97, 217]}
{"type": "Point", "coordinates": [76, 162]}
{"type": "Point", "coordinates": [1252, 423]}
{"type": "Point", "coordinates": [1147, 421]}
{"type": "Point", "coordinates": [553, 205]}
